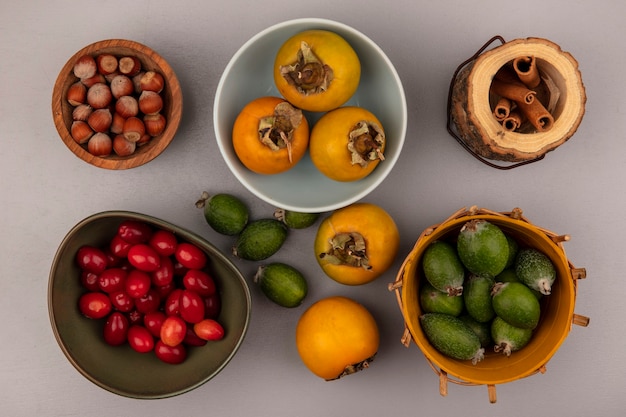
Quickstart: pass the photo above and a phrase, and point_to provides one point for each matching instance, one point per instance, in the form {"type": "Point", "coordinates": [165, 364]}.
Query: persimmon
{"type": "Point", "coordinates": [317, 70]}
{"type": "Point", "coordinates": [270, 135]}
{"type": "Point", "coordinates": [337, 336]}
{"type": "Point", "coordinates": [357, 244]}
{"type": "Point", "coordinates": [347, 143]}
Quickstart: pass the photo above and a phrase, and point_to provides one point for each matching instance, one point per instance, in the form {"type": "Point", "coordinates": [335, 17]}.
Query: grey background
{"type": "Point", "coordinates": [576, 190]}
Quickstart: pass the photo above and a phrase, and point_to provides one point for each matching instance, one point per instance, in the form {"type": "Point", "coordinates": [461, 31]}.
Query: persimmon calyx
{"type": "Point", "coordinates": [365, 143]}
{"type": "Point", "coordinates": [354, 368]}
{"type": "Point", "coordinates": [309, 75]}
{"type": "Point", "coordinates": [276, 131]}
{"type": "Point", "coordinates": [347, 249]}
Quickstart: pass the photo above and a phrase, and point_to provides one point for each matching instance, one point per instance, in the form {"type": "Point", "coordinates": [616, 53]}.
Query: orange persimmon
{"type": "Point", "coordinates": [317, 70]}
{"type": "Point", "coordinates": [357, 244]}
{"type": "Point", "coordinates": [347, 143]}
{"type": "Point", "coordinates": [337, 336]}
{"type": "Point", "coordinates": [270, 135]}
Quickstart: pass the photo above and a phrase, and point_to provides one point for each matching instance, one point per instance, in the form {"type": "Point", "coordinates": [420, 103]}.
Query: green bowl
{"type": "Point", "coordinates": [119, 369]}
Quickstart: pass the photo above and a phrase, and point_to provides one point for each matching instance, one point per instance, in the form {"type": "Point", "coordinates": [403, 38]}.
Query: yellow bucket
{"type": "Point", "coordinates": [557, 309]}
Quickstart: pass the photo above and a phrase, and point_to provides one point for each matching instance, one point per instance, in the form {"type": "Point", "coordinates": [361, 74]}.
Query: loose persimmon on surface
{"type": "Point", "coordinates": [270, 136]}
{"type": "Point", "coordinates": [317, 70]}
{"type": "Point", "coordinates": [347, 143]}
{"type": "Point", "coordinates": [337, 336]}
{"type": "Point", "coordinates": [357, 244]}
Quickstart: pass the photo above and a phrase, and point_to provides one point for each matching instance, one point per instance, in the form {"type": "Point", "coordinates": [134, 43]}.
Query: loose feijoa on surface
{"type": "Point", "coordinates": [516, 304]}
{"type": "Point", "coordinates": [225, 213]}
{"type": "Point", "coordinates": [536, 270]}
{"type": "Point", "coordinates": [482, 247]}
{"type": "Point", "coordinates": [508, 338]}
{"type": "Point", "coordinates": [452, 337]}
{"type": "Point", "coordinates": [477, 297]}
{"type": "Point", "coordinates": [434, 301]}
{"type": "Point", "coordinates": [296, 220]}
{"type": "Point", "coordinates": [282, 283]}
{"type": "Point", "coordinates": [482, 330]}
{"type": "Point", "coordinates": [260, 239]}
{"type": "Point", "coordinates": [443, 268]}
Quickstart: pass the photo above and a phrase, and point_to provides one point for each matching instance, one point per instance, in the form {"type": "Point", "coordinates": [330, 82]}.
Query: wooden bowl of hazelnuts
{"type": "Point", "coordinates": [117, 104]}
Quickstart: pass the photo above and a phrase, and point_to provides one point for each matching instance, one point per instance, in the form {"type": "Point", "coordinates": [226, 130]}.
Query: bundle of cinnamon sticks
{"type": "Point", "coordinates": [514, 86]}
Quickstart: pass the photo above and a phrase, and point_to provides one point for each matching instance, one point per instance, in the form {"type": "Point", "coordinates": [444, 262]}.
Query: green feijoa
{"type": "Point", "coordinates": [295, 219]}
{"type": "Point", "coordinates": [260, 239]}
{"type": "Point", "coordinates": [482, 330]}
{"type": "Point", "coordinates": [282, 284]}
{"type": "Point", "coordinates": [450, 336]}
{"type": "Point", "coordinates": [225, 213]}
{"type": "Point", "coordinates": [443, 268]}
{"type": "Point", "coordinates": [508, 338]}
{"type": "Point", "coordinates": [513, 248]}
{"type": "Point", "coordinates": [482, 247]}
{"type": "Point", "coordinates": [509, 275]}
{"type": "Point", "coordinates": [434, 301]}
{"type": "Point", "coordinates": [477, 297]}
{"type": "Point", "coordinates": [536, 270]}
{"type": "Point", "coordinates": [516, 304]}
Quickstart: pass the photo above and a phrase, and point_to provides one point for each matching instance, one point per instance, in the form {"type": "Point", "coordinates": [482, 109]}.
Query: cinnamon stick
{"type": "Point", "coordinates": [502, 109]}
{"type": "Point", "coordinates": [526, 69]}
{"type": "Point", "coordinates": [517, 92]}
{"type": "Point", "coordinates": [513, 121]}
{"type": "Point", "coordinates": [537, 115]}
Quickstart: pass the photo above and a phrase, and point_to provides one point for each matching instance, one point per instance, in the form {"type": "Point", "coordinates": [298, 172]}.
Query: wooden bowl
{"type": "Point", "coordinates": [171, 94]}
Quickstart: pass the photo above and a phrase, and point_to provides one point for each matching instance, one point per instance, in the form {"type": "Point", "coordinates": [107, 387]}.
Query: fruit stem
{"type": "Point", "coordinates": [204, 197]}
{"type": "Point", "coordinates": [309, 75]}
{"type": "Point", "coordinates": [351, 369]}
{"type": "Point", "coordinates": [366, 141]}
{"type": "Point", "coordinates": [347, 249]}
{"type": "Point", "coordinates": [544, 286]}
{"type": "Point", "coordinates": [503, 347]}
{"type": "Point", "coordinates": [276, 130]}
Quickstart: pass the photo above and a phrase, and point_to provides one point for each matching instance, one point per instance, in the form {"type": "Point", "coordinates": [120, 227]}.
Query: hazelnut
{"type": "Point", "coordinates": [99, 96]}
{"type": "Point", "coordinates": [127, 106]}
{"type": "Point", "coordinates": [133, 129]}
{"type": "Point", "coordinates": [85, 67]}
{"type": "Point", "coordinates": [100, 120]}
{"type": "Point", "coordinates": [150, 102]}
{"type": "Point", "coordinates": [76, 94]}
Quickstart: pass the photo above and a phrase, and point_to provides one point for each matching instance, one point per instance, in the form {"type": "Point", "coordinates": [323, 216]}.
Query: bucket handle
{"type": "Point", "coordinates": [491, 388]}
{"type": "Point", "coordinates": [452, 132]}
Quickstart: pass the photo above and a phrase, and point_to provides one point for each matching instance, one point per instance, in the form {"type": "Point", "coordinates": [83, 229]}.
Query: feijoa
{"type": "Point", "coordinates": [515, 303]}
{"type": "Point", "coordinates": [282, 284]}
{"type": "Point", "coordinates": [509, 275]}
{"type": "Point", "coordinates": [482, 330]}
{"type": "Point", "coordinates": [513, 248]}
{"type": "Point", "coordinates": [477, 297]}
{"type": "Point", "coordinates": [443, 268]}
{"type": "Point", "coordinates": [434, 301]}
{"type": "Point", "coordinates": [295, 219]}
{"type": "Point", "coordinates": [450, 336]}
{"type": "Point", "coordinates": [260, 239]}
{"type": "Point", "coordinates": [536, 270]}
{"type": "Point", "coordinates": [508, 338]}
{"type": "Point", "coordinates": [225, 213]}
{"type": "Point", "coordinates": [482, 247]}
